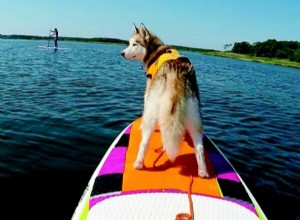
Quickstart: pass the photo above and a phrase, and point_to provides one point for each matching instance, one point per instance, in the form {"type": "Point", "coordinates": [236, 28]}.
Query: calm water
{"type": "Point", "coordinates": [61, 110]}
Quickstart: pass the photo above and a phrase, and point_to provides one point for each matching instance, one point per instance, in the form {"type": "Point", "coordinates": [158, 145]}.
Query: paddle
{"type": "Point", "coordinates": [49, 38]}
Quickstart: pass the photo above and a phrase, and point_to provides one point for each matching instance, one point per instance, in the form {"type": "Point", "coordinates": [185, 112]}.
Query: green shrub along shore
{"type": "Point", "coordinates": [267, 60]}
{"type": "Point", "coordinates": [284, 53]}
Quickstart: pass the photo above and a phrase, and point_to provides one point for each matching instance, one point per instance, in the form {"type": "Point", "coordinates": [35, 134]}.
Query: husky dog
{"type": "Point", "coordinates": [171, 97]}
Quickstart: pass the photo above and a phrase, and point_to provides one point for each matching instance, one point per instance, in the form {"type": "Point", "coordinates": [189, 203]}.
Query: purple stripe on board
{"type": "Point", "coordinates": [96, 199]}
{"type": "Point", "coordinates": [229, 176]}
{"type": "Point", "coordinates": [244, 204]}
{"type": "Point", "coordinates": [127, 131]}
{"type": "Point", "coordinates": [222, 168]}
{"type": "Point", "coordinates": [114, 162]}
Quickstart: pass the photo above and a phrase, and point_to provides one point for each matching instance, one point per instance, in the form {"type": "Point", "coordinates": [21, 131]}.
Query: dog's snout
{"type": "Point", "coordinates": [123, 53]}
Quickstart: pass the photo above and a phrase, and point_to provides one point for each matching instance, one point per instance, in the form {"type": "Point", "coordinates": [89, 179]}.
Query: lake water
{"type": "Point", "coordinates": [61, 110]}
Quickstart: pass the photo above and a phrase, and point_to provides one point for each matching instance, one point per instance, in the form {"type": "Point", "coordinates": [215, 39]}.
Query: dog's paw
{"type": "Point", "coordinates": [203, 173]}
{"type": "Point", "coordinates": [138, 165]}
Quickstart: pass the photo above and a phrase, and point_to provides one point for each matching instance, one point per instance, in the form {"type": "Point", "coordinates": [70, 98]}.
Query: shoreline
{"type": "Point", "coordinates": [210, 52]}
{"type": "Point", "coordinates": [265, 60]}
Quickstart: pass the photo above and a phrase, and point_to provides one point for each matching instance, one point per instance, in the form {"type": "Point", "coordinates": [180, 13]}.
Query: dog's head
{"type": "Point", "coordinates": [140, 43]}
{"type": "Point", "coordinates": [137, 44]}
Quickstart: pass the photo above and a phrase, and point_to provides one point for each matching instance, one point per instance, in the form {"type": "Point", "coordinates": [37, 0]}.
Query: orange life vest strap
{"type": "Point", "coordinates": [171, 54]}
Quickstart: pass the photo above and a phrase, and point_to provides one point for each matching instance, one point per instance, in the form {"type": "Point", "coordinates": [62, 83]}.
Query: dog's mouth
{"type": "Point", "coordinates": [132, 57]}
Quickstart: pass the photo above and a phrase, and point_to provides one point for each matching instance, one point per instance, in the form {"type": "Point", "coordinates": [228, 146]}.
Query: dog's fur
{"type": "Point", "coordinates": [171, 99]}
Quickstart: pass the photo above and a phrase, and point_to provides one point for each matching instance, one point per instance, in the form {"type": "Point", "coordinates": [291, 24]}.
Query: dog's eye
{"type": "Point", "coordinates": [134, 44]}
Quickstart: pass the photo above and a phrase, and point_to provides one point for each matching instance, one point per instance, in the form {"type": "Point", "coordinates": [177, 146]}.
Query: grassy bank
{"type": "Point", "coordinates": [274, 61]}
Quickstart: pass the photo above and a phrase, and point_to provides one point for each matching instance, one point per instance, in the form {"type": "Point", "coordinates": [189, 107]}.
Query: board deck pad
{"type": "Point", "coordinates": [54, 48]}
{"type": "Point", "coordinates": [118, 191]}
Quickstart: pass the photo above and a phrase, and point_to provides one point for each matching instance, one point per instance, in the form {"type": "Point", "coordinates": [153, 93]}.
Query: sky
{"type": "Point", "coordinates": [208, 24]}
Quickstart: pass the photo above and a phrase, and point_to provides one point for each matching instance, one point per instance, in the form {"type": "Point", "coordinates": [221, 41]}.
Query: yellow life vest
{"type": "Point", "coordinates": [171, 54]}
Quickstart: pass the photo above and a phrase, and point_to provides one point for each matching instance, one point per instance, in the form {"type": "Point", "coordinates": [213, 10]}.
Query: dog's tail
{"type": "Point", "coordinates": [171, 122]}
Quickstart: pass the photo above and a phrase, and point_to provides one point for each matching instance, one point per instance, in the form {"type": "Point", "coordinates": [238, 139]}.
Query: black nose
{"type": "Point", "coordinates": [123, 54]}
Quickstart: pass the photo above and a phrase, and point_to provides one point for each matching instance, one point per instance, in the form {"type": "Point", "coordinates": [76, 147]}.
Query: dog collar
{"type": "Point", "coordinates": [170, 54]}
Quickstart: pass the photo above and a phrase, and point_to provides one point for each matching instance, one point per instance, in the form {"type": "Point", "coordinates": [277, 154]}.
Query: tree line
{"type": "Point", "coordinates": [95, 39]}
{"type": "Point", "coordinates": [271, 48]}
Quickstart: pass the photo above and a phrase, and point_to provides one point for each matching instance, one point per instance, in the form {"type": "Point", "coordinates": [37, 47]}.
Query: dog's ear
{"type": "Point", "coordinates": [135, 29]}
{"type": "Point", "coordinates": [143, 31]}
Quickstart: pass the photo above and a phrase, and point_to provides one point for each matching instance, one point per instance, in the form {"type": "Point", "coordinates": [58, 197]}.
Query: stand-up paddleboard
{"type": "Point", "coordinates": [54, 48]}
{"type": "Point", "coordinates": [163, 190]}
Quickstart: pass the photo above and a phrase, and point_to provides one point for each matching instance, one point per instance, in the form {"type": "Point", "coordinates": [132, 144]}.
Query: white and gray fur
{"type": "Point", "coordinates": [171, 99]}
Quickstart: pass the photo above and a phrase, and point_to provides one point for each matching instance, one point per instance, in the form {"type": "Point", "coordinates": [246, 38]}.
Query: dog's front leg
{"type": "Point", "coordinates": [147, 129]}
{"type": "Point", "coordinates": [139, 162]}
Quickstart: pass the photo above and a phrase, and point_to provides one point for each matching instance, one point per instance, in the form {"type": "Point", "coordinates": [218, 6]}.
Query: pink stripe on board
{"type": "Point", "coordinates": [229, 176]}
{"type": "Point", "coordinates": [127, 131]}
{"type": "Point", "coordinates": [115, 161]}
{"type": "Point", "coordinates": [222, 168]}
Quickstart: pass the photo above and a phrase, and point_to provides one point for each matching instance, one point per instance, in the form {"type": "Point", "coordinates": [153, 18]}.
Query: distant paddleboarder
{"type": "Point", "coordinates": [55, 34]}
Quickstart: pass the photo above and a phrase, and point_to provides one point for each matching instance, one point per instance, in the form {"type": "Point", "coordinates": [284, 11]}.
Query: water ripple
{"type": "Point", "coordinates": [61, 111]}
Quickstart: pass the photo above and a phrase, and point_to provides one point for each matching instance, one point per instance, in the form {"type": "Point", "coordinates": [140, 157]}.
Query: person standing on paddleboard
{"type": "Point", "coordinates": [55, 34]}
